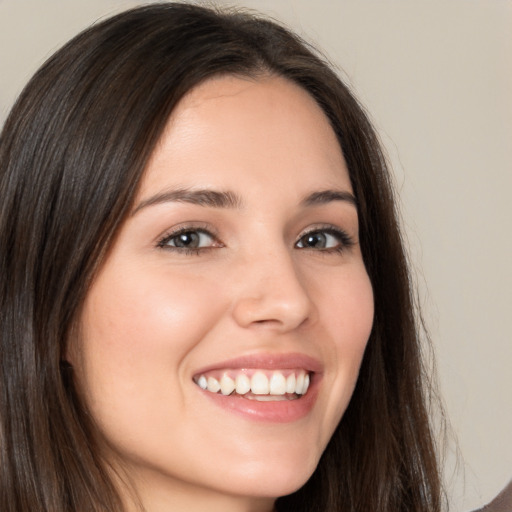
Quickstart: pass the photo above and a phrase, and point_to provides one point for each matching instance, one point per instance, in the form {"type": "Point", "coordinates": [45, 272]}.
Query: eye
{"type": "Point", "coordinates": [188, 239]}
{"type": "Point", "coordinates": [325, 240]}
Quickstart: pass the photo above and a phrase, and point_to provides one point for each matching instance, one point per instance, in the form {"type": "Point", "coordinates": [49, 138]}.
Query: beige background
{"type": "Point", "coordinates": [437, 79]}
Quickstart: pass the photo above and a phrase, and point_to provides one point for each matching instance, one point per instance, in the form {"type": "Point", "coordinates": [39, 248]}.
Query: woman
{"type": "Point", "coordinates": [205, 300]}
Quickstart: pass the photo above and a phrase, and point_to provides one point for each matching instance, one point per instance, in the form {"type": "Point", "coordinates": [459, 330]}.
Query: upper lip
{"type": "Point", "coordinates": [268, 361]}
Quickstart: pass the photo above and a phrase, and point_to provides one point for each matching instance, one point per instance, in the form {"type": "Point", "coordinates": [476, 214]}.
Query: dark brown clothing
{"type": "Point", "coordinates": [502, 502]}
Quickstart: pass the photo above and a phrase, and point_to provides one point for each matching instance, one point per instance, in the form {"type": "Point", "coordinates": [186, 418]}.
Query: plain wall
{"type": "Point", "coordinates": [436, 77]}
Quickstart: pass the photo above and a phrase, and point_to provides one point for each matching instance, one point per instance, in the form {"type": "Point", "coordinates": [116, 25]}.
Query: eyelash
{"type": "Point", "coordinates": [344, 239]}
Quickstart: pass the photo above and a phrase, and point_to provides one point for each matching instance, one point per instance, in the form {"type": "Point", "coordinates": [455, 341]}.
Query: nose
{"type": "Point", "coordinates": [272, 293]}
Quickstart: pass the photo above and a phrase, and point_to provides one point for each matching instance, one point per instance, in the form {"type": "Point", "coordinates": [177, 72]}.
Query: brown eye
{"type": "Point", "coordinates": [316, 240]}
{"type": "Point", "coordinates": [189, 239]}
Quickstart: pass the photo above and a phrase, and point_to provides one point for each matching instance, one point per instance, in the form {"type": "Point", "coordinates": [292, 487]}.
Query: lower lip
{"type": "Point", "coordinates": [281, 411]}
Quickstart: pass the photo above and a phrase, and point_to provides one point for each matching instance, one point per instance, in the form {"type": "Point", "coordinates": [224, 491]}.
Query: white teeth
{"type": "Point", "coordinates": [299, 384]}
{"type": "Point", "coordinates": [305, 386]}
{"type": "Point", "coordinates": [290, 383]}
{"type": "Point", "coordinates": [202, 382]}
{"type": "Point", "coordinates": [243, 384]}
{"type": "Point", "coordinates": [227, 385]}
{"type": "Point", "coordinates": [277, 384]}
{"type": "Point", "coordinates": [213, 385]}
{"type": "Point", "coordinates": [259, 384]}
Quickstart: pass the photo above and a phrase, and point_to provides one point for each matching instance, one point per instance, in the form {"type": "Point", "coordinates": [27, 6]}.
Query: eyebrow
{"type": "Point", "coordinates": [328, 196]}
{"type": "Point", "coordinates": [200, 197]}
{"type": "Point", "coordinates": [228, 199]}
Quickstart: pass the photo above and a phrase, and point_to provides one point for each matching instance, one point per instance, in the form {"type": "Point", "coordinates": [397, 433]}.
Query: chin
{"type": "Point", "coordinates": [271, 480]}
{"type": "Point", "coordinates": [277, 488]}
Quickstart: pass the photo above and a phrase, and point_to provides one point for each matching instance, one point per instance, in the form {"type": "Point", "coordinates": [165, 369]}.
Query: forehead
{"type": "Point", "coordinates": [247, 132]}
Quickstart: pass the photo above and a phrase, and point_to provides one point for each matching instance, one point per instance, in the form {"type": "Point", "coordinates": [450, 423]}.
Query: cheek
{"type": "Point", "coordinates": [347, 311]}
{"type": "Point", "coordinates": [354, 320]}
{"type": "Point", "coordinates": [145, 312]}
{"type": "Point", "coordinates": [355, 323]}
{"type": "Point", "coordinates": [348, 315]}
{"type": "Point", "coordinates": [136, 333]}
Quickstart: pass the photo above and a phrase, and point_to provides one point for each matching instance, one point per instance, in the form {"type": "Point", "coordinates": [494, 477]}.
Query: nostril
{"type": "Point", "coordinates": [274, 310]}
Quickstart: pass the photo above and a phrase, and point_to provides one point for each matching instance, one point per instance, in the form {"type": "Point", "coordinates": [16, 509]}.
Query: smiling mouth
{"type": "Point", "coordinates": [254, 384]}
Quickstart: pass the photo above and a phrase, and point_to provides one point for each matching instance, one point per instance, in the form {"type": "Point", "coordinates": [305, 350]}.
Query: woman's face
{"type": "Point", "coordinates": [239, 268]}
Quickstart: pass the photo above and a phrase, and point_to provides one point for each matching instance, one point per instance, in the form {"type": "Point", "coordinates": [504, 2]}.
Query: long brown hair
{"type": "Point", "coordinates": [72, 153]}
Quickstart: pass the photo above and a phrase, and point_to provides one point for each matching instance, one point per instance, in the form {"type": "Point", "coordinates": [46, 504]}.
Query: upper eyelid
{"type": "Point", "coordinates": [176, 231]}
{"type": "Point", "coordinates": [330, 228]}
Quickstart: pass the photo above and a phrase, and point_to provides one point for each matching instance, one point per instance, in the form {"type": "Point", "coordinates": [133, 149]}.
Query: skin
{"type": "Point", "coordinates": [155, 315]}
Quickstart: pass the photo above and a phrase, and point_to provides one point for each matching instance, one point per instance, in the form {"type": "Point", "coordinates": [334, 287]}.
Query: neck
{"type": "Point", "coordinates": [159, 495]}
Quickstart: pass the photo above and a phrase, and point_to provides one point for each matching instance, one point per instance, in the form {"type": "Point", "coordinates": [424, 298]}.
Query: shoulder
{"type": "Point", "coordinates": [502, 502]}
